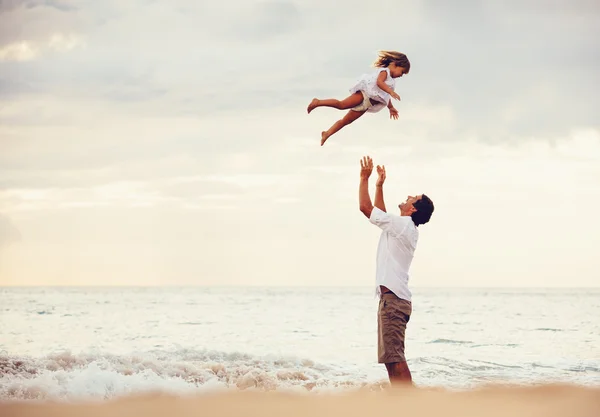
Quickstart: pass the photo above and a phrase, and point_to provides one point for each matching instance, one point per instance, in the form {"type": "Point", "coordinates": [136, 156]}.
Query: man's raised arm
{"type": "Point", "coordinates": [379, 203]}
{"type": "Point", "coordinates": [364, 199]}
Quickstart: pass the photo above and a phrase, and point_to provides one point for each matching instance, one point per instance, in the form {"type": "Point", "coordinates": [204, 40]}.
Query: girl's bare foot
{"type": "Point", "coordinates": [314, 103]}
{"type": "Point", "coordinates": [324, 137]}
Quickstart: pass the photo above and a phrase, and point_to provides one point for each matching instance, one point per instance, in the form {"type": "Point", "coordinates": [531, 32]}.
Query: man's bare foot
{"type": "Point", "coordinates": [314, 103]}
{"type": "Point", "coordinates": [324, 137]}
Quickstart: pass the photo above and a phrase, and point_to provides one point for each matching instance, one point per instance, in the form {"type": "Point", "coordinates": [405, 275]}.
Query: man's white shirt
{"type": "Point", "coordinates": [395, 251]}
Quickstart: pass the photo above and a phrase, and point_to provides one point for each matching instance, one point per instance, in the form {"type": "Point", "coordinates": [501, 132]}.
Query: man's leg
{"type": "Point", "coordinates": [393, 316]}
{"type": "Point", "coordinates": [399, 373]}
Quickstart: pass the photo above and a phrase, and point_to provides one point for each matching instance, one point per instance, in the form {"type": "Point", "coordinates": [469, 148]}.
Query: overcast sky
{"type": "Point", "coordinates": [167, 142]}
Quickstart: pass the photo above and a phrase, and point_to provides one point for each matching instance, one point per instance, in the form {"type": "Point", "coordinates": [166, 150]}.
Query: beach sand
{"type": "Point", "coordinates": [490, 401]}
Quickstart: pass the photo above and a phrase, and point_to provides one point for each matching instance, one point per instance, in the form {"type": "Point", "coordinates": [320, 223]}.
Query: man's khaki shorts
{"type": "Point", "coordinates": [392, 316]}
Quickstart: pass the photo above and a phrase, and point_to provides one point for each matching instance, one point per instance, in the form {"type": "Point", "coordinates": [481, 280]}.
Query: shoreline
{"type": "Point", "coordinates": [547, 400]}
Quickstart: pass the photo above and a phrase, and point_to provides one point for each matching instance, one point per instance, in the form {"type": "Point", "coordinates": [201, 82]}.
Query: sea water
{"type": "Point", "coordinates": [97, 343]}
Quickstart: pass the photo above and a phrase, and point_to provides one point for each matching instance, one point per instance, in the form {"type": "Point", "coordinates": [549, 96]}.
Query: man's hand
{"type": "Point", "coordinates": [364, 199]}
{"type": "Point", "coordinates": [393, 113]}
{"type": "Point", "coordinates": [366, 167]}
{"type": "Point", "coordinates": [381, 175]}
{"type": "Point", "coordinates": [395, 95]}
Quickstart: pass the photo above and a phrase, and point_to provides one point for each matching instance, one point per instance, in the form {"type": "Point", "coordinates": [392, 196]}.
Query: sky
{"type": "Point", "coordinates": [167, 142]}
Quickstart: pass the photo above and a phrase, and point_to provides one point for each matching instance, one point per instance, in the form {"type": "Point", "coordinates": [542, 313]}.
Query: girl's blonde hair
{"type": "Point", "coordinates": [385, 58]}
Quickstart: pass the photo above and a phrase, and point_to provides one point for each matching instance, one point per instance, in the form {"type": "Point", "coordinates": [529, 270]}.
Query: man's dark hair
{"type": "Point", "coordinates": [424, 208]}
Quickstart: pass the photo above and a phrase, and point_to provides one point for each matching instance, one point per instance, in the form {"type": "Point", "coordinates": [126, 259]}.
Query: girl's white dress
{"type": "Point", "coordinates": [368, 85]}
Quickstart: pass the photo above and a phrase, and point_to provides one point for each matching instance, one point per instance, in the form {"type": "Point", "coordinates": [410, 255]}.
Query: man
{"type": "Point", "coordinates": [394, 255]}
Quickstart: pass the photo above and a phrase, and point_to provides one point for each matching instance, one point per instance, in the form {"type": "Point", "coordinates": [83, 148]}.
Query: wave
{"type": "Point", "coordinates": [66, 376]}
{"type": "Point", "coordinates": [465, 365]}
{"type": "Point", "coordinates": [450, 341]}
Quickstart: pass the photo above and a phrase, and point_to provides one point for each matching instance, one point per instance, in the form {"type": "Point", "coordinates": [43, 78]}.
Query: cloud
{"type": "Point", "coordinates": [500, 72]}
{"type": "Point", "coordinates": [178, 192]}
{"type": "Point", "coordinates": [294, 203]}
{"type": "Point", "coordinates": [45, 23]}
{"type": "Point", "coordinates": [135, 108]}
{"type": "Point", "coordinates": [21, 51]}
{"type": "Point", "coordinates": [176, 132]}
{"type": "Point", "coordinates": [31, 30]}
{"type": "Point", "coordinates": [61, 5]}
{"type": "Point", "coordinates": [268, 19]}
{"type": "Point", "coordinates": [27, 51]}
{"type": "Point", "coordinates": [8, 232]}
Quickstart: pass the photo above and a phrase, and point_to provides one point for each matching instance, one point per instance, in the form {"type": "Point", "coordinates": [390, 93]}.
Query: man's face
{"type": "Point", "coordinates": [407, 207]}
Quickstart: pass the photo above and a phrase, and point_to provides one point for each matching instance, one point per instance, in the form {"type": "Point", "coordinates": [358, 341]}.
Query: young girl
{"type": "Point", "coordinates": [371, 93]}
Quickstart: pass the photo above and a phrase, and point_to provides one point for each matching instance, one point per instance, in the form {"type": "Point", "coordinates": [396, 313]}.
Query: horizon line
{"type": "Point", "coordinates": [230, 286]}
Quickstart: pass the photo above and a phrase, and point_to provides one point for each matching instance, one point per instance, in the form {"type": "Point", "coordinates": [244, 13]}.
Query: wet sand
{"type": "Point", "coordinates": [490, 401]}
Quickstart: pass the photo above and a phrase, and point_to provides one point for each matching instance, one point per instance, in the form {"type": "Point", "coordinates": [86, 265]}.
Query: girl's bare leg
{"type": "Point", "coordinates": [347, 103]}
{"type": "Point", "coordinates": [351, 116]}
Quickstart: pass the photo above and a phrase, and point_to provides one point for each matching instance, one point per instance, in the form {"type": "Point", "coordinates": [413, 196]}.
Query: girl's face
{"type": "Point", "coordinates": [397, 71]}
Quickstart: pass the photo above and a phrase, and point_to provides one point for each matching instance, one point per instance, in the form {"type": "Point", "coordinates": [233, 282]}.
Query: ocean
{"type": "Point", "coordinates": [97, 343]}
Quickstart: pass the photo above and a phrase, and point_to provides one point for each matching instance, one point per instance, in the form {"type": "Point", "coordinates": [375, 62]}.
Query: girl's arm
{"type": "Point", "coordinates": [381, 84]}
